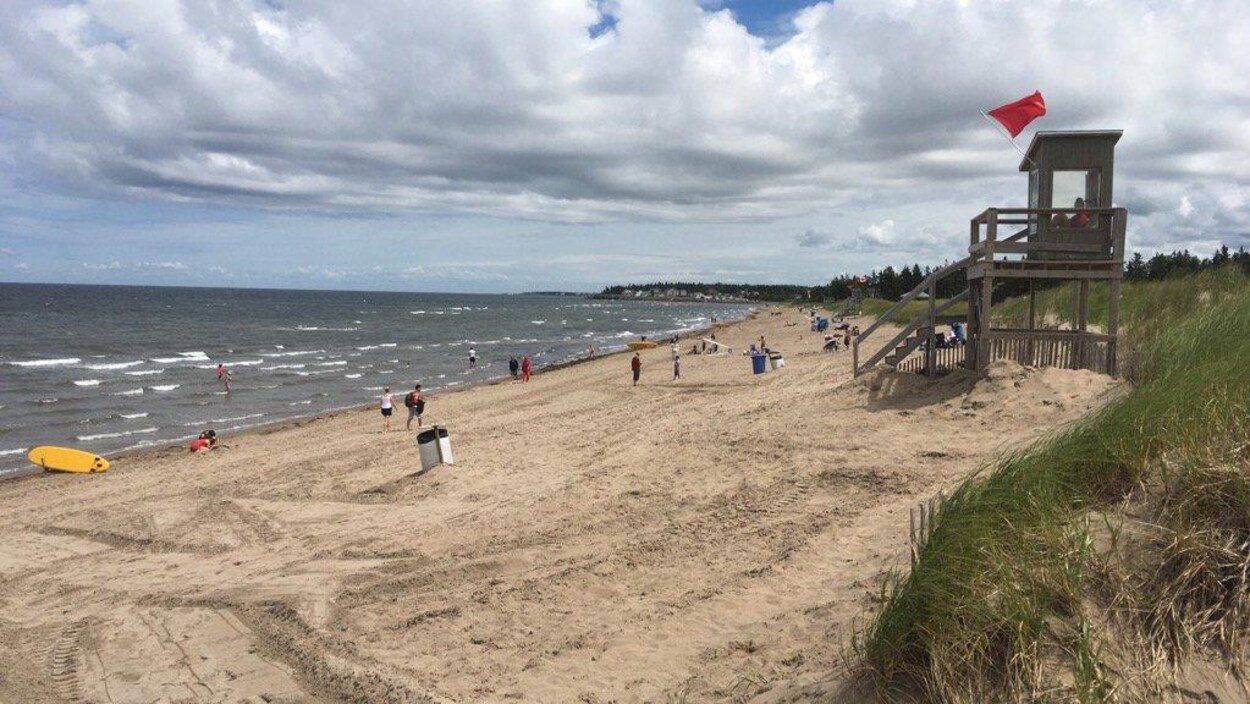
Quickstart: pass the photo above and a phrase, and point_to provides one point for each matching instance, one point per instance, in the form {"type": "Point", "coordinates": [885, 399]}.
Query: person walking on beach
{"type": "Point", "coordinates": [514, 367]}
{"type": "Point", "coordinates": [472, 358]}
{"type": "Point", "coordinates": [223, 375]}
{"type": "Point", "coordinates": [526, 366]}
{"type": "Point", "coordinates": [676, 367]}
{"type": "Point", "coordinates": [387, 408]}
{"type": "Point", "coordinates": [636, 365]}
{"type": "Point", "coordinates": [415, 405]}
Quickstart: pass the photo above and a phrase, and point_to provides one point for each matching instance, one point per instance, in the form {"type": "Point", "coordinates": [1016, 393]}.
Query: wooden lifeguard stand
{"type": "Point", "coordinates": [1069, 232]}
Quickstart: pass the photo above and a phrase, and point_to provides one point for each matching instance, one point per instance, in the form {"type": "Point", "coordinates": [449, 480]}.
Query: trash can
{"type": "Point", "coordinates": [777, 361]}
{"type": "Point", "coordinates": [759, 363]}
{"type": "Point", "coordinates": [434, 446]}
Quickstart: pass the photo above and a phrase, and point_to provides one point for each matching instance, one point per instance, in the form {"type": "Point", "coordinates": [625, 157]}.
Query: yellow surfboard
{"type": "Point", "coordinates": [66, 459]}
{"type": "Point", "coordinates": [645, 345]}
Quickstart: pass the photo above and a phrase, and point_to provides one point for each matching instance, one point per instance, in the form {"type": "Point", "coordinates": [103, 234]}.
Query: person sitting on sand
{"type": "Point", "coordinates": [694, 349]}
{"type": "Point", "coordinates": [205, 442]}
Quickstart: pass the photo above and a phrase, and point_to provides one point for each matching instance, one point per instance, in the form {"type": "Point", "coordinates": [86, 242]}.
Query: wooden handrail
{"type": "Point", "coordinates": [984, 215]}
{"type": "Point", "coordinates": [936, 275]}
{"type": "Point", "coordinates": [912, 325]}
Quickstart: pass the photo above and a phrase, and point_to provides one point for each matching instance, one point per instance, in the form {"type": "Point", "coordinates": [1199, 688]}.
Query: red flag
{"type": "Point", "coordinates": [1014, 116]}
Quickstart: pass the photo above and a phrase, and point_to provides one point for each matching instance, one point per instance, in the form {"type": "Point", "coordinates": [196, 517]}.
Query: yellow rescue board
{"type": "Point", "coordinates": [642, 345]}
{"type": "Point", "coordinates": [66, 459]}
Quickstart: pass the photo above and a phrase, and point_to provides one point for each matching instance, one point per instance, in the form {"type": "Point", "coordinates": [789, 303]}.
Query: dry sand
{"type": "Point", "coordinates": [711, 539]}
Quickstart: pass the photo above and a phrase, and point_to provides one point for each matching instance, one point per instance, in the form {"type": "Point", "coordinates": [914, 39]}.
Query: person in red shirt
{"type": "Point", "coordinates": [525, 368]}
{"type": "Point", "coordinates": [1082, 217]}
{"type": "Point", "coordinates": [636, 365]}
{"type": "Point", "coordinates": [205, 442]}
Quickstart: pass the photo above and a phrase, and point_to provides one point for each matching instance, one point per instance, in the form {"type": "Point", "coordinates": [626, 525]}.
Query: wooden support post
{"type": "Point", "coordinates": [855, 357]}
{"type": "Point", "coordinates": [1082, 322]}
{"type": "Point", "coordinates": [987, 291]}
{"type": "Point", "coordinates": [1032, 320]}
{"type": "Point", "coordinates": [930, 353]}
{"type": "Point", "coordinates": [1113, 303]}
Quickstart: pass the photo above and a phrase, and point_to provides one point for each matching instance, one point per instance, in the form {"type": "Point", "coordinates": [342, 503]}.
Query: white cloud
{"type": "Point", "coordinates": [678, 114]}
{"type": "Point", "coordinates": [813, 239]}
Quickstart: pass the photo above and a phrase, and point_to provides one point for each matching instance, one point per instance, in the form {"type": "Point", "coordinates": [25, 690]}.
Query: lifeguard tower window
{"type": "Point", "coordinates": [1067, 186]}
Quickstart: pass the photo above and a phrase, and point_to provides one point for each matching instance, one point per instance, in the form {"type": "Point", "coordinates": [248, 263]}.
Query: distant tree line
{"type": "Point", "coordinates": [891, 284]}
{"type": "Point", "coordinates": [761, 292]}
{"type": "Point", "coordinates": [1162, 266]}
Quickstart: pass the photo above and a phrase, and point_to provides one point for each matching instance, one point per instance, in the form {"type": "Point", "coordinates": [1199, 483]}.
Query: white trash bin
{"type": "Point", "coordinates": [434, 446]}
{"type": "Point", "coordinates": [777, 361]}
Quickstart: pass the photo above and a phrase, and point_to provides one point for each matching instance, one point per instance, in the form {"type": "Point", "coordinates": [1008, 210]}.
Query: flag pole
{"type": "Point", "coordinates": [1006, 136]}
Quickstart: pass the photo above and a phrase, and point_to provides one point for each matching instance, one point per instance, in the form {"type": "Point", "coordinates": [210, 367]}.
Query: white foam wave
{"type": "Point", "coordinates": [101, 436]}
{"type": "Point", "coordinates": [165, 387]}
{"type": "Point", "coordinates": [47, 362]}
{"type": "Point", "coordinates": [87, 382]}
{"type": "Point", "coordinates": [146, 372]}
{"type": "Point", "coordinates": [17, 451]}
{"type": "Point", "coordinates": [132, 416]}
{"type": "Point", "coordinates": [284, 366]}
{"type": "Point", "coordinates": [352, 376]}
{"type": "Point", "coordinates": [240, 363]}
{"type": "Point", "coordinates": [331, 364]}
{"type": "Point", "coordinates": [539, 322]}
{"type": "Point", "coordinates": [218, 421]}
{"type": "Point", "coordinates": [114, 365]}
{"type": "Point", "coordinates": [295, 353]}
{"type": "Point", "coordinates": [132, 392]}
{"type": "Point", "coordinates": [49, 400]}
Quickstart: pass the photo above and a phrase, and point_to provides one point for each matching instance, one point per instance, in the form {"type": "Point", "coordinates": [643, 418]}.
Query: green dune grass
{"type": "Point", "coordinates": [1016, 597]}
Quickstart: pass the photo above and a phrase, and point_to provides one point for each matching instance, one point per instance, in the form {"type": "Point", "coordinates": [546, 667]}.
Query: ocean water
{"type": "Point", "coordinates": [115, 368]}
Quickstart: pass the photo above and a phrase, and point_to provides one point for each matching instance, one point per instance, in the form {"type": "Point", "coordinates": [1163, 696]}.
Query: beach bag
{"type": "Point", "coordinates": [410, 400]}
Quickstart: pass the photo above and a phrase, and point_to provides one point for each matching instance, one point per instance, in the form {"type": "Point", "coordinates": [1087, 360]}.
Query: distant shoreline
{"type": "Point", "coordinates": [278, 425]}
{"type": "Point", "coordinates": [681, 299]}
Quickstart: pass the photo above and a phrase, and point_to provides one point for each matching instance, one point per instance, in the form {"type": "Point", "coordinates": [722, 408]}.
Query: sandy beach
{"type": "Point", "coordinates": [713, 539]}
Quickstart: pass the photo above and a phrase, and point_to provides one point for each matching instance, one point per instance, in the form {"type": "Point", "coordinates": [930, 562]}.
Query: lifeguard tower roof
{"type": "Point", "coordinates": [1074, 143]}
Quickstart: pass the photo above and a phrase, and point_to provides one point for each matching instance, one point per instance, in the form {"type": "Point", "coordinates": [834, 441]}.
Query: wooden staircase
{"type": "Point", "coordinates": [922, 329]}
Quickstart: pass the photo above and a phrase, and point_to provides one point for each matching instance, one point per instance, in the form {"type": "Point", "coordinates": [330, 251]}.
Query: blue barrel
{"type": "Point", "coordinates": [759, 363]}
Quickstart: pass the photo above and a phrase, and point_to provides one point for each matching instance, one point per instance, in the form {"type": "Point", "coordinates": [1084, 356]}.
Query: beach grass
{"type": "Point", "coordinates": [1036, 585]}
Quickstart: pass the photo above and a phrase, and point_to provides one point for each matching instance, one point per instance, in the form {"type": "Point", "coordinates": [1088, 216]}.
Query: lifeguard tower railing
{"type": "Point", "coordinates": [1041, 250]}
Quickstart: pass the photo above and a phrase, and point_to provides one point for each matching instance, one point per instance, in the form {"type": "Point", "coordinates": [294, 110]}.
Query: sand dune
{"type": "Point", "coordinates": [595, 542]}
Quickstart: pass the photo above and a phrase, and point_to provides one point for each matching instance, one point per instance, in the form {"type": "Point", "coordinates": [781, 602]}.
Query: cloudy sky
{"type": "Point", "coordinates": [510, 145]}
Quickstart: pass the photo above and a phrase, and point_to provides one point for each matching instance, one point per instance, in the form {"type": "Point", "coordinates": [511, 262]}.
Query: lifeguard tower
{"type": "Point", "coordinates": [1068, 232]}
